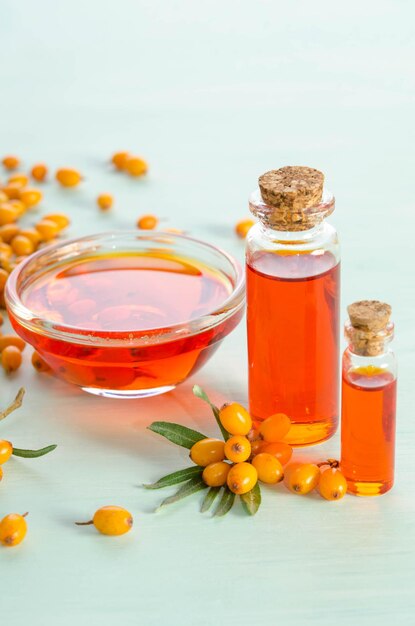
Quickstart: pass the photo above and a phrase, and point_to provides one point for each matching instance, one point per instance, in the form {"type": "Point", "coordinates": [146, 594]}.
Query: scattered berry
{"type": "Point", "coordinates": [215, 474]}
{"type": "Point", "coordinates": [147, 222]}
{"type": "Point", "coordinates": [301, 478]}
{"type": "Point", "coordinates": [275, 428]}
{"type": "Point", "coordinates": [22, 246]}
{"type": "Point", "coordinates": [243, 227]}
{"type": "Point", "coordinates": [268, 467]}
{"type": "Point", "coordinates": [105, 201]}
{"type": "Point", "coordinates": [11, 162]}
{"type": "Point", "coordinates": [242, 477]}
{"type": "Point", "coordinates": [39, 363]}
{"type": "Point", "coordinates": [135, 166]}
{"type": "Point", "coordinates": [332, 484]}
{"type": "Point", "coordinates": [30, 196]}
{"type": "Point", "coordinates": [19, 179]}
{"type": "Point", "coordinates": [11, 340]}
{"type": "Point", "coordinates": [39, 172]}
{"type": "Point", "coordinates": [235, 419]}
{"type": "Point", "coordinates": [68, 177]}
{"type": "Point", "coordinates": [48, 229]}
{"type": "Point", "coordinates": [11, 359]}
{"type": "Point", "coordinates": [61, 220]}
{"type": "Point", "coordinates": [13, 529]}
{"type": "Point", "coordinates": [111, 520]}
{"type": "Point", "coordinates": [282, 451]}
{"type": "Point", "coordinates": [119, 159]}
{"type": "Point", "coordinates": [6, 450]}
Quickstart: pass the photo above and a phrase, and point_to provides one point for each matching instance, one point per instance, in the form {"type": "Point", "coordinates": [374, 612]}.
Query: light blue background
{"type": "Point", "coordinates": [212, 94]}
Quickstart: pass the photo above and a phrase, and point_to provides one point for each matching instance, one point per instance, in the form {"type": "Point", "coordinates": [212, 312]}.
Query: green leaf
{"type": "Point", "coordinates": [225, 504]}
{"type": "Point", "coordinates": [192, 486]}
{"type": "Point", "coordinates": [209, 499]}
{"type": "Point", "coordinates": [176, 477]}
{"type": "Point", "coordinates": [199, 393]}
{"type": "Point", "coordinates": [251, 501]}
{"type": "Point", "coordinates": [177, 434]}
{"type": "Point", "coordinates": [33, 454]}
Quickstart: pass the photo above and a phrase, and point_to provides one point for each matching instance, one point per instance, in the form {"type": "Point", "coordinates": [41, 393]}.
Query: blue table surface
{"type": "Point", "coordinates": [212, 94]}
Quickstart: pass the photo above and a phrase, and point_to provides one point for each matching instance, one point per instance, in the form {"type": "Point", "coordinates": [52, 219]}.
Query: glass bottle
{"type": "Point", "coordinates": [293, 281]}
{"type": "Point", "coordinates": [368, 400]}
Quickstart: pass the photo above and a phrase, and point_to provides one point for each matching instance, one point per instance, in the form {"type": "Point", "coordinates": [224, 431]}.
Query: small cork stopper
{"type": "Point", "coordinates": [369, 326]}
{"type": "Point", "coordinates": [292, 187]}
{"type": "Point", "coordinates": [289, 193]}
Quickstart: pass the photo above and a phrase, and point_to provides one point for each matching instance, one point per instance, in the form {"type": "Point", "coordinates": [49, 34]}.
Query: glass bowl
{"type": "Point", "coordinates": [122, 333]}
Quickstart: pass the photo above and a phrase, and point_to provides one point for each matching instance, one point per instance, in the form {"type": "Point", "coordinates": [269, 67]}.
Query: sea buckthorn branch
{"type": "Point", "coordinates": [16, 404]}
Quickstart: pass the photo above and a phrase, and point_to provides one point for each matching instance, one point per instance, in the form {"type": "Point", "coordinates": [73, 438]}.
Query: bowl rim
{"type": "Point", "coordinates": [70, 334]}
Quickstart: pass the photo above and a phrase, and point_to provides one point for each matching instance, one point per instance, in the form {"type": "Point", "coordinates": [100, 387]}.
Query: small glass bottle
{"type": "Point", "coordinates": [293, 281]}
{"type": "Point", "coordinates": [368, 400]}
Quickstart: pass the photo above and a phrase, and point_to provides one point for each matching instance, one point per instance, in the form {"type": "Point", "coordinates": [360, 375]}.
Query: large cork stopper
{"type": "Point", "coordinates": [369, 326]}
{"type": "Point", "coordinates": [293, 195]}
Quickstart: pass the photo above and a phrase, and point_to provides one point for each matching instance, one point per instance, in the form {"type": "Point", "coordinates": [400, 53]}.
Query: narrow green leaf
{"type": "Point", "coordinates": [199, 393]}
{"type": "Point", "coordinates": [225, 504]}
{"type": "Point", "coordinates": [176, 433]}
{"type": "Point", "coordinates": [33, 454]}
{"type": "Point", "coordinates": [251, 501]}
{"type": "Point", "coordinates": [176, 477]}
{"type": "Point", "coordinates": [192, 486]}
{"type": "Point", "coordinates": [209, 499]}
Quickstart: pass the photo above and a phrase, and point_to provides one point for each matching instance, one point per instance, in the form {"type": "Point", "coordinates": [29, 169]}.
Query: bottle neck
{"type": "Point", "coordinates": [363, 343]}
{"type": "Point", "coordinates": [292, 237]}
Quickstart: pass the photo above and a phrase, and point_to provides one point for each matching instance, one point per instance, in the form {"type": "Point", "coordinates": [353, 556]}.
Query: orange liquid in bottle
{"type": "Point", "coordinates": [128, 297]}
{"type": "Point", "coordinates": [368, 430]}
{"type": "Point", "coordinates": [293, 341]}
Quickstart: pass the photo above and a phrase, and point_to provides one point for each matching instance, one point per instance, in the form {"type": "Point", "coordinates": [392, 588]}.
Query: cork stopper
{"type": "Point", "coordinates": [369, 326]}
{"type": "Point", "coordinates": [291, 198]}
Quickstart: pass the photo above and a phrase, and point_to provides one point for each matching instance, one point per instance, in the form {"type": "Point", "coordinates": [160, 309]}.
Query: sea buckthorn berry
{"type": "Point", "coordinates": [235, 419]}
{"type": "Point", "coordinates": [269, 469]}
{"type": "Point", "coordinates": [11, 359]}
{"type": "Point", "coordinates": [257, 446]}
{"type": "Point", "coordinates": [12, 340]}
{"type": "Point", "coordinates": [275, 428]}
{"type": "Point", "coordinates": [105, 201]}
{"type": "Point", "coordinates": [303, 478]}
{"type": "Point", "coordinates": [3, 280]}
{"type": "Point", "coordinates": [12, 191]}
{"type": "Point", "coordinates": [215, 474]}
{"type": "Point", "coordinates": [242, 477]}
{"type": "Point", "coordinates": [3, 196]}
{"type": "Point", "coordinates": [18, 178]}
{"type": "Point", "coordinates": [5, 251]}
{"type": "Point", "coordinates": [111, 520]}
{"type": "Point", "coordinates": [68, 177]}
{"type": "Point", "coordinates": [281, 450]}
{"type": "Point", "coordinates": [237, 449]}
{"type": "Point", "coordinates": [32, 234]}
{"type": "Point", "coordinates": [61, 220]}
{"type": "Point", "coordinates": [6, 450]}
{"type": "Point", "coordinates": [22, 246]}
{"type": "Point", "coordinates": [39, 172]}
{"type": "Point", "coordinates": [135, 166]}
{"type": "Point", "coordinates": [119, 159]}
{"type": "Point", "coordinates": [47, 229]}
{"type": "Point", "coordinates": [332, 484]}
{"type": "Point", "coordinates": [147, 222]}
{"type": "Point", "coordinates": [39, 363]}
{"type": "Point", "coordinates": [19, 207]}
{"type": "Point", "coordinates": [11, 162]}
{"type": "Point", "coordinates": [30, 196]}
{"type": "Point", "coordinates": [242, 228]}
{"type": "Point", "coordinates": [8, 214]}
{"type": "Point", "coordinates": [13, 529]}
{"type": "Point", "coordinates": [207, 451]}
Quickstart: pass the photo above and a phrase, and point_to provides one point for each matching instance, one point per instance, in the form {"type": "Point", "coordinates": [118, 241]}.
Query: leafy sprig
{"type": "Point", "coordinates": [190, 478]}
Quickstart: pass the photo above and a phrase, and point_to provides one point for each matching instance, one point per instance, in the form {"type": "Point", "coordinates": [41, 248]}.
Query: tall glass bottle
{"type": "Point", "coordinates": [368, 400]}
{"type": "Point", "coordinates": [293, 280]}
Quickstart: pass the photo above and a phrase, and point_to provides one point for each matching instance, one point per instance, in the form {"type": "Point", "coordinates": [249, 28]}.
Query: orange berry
{"type": "Point", "coordinates": [8, 213]}
{"type": "Point", "coordinates": [301, 478]}
{"type": "Point", "coordinates": [147, 222]}
{"type": "Point", "coordinates": [11, 340]}
{"type": "Point", "coordinates": [3, 280]}
{"type": "Point", "coordinates": [135, 166]}
{"type": "Point", "coordinates": [32, 234]}
{"type": "Point", "coordinates": [22, 246]}
{"type": "Point", "coordinates": [257, 446]}
{"type": "Point", "coordinates": [13, 529]}
{"type": "Point", "coordinates": [6, 450]}
{"type": "Point", "coordinates": [268, 467]}
{"type": "Point", "coordinates": [242, 228]}
{"type": "Point", "coordinates": [12, 191]}
{"type": "Point", "coordinates": [60, 219]}
{"type": "Point", "coordinates": [281, 450]}
{"type": "Point", "coordinates": [237, 449]}
{"type": "Point", "coordinates": [18, 206]}
{"type": "Point", "coordinates": [105, 201]}
{"type": "Point", "coordinates": [5, 253]}
{"type": "Point", "coordinates": [111, 520]}
{"type": "Point", "coordinates": [275, 428]}
{"type": "Point", "coordinates": [39, 172]}
{"type": "Point", "coordinates": [215, 474]}
{"type": "Point", "coordinates": [19, 179]}
{"type": "Point", "coordinates": [11, 162]}
{"type": "Point", "coordinates": [332, 484]}
{"type": "Point", "coordinates": [39, 363]}
{"type": "Point", "coordinates": [207, 451]}
{"type": "Point", "coordinates": [47, 229]}
{"type": "Point", "coordinates": [8, 231]}
{"type": "Point", "coordinates": [11, 359]}
{"type": "Point", "coordinates": [68, 177]}
{"type": "Point", "coordinates": [242, 477]}
{"type": "Point", "coordinates": [3, 197]}
{"type": "Point", "coordinates": [30, 196]}
{"type": "Point", "coordinates": [119, 159]}
{"type": "Point", "coordinates": [235, 419]}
